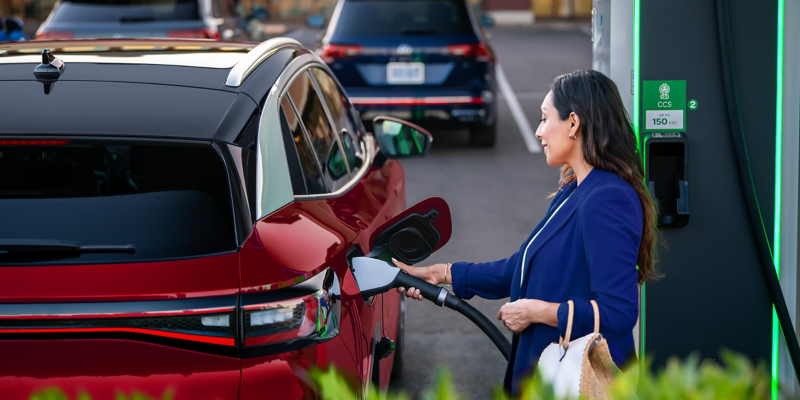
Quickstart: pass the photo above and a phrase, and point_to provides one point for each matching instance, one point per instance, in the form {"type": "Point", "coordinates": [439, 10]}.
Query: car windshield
{"type": "Point", "coordinates": [403, 17]}
{"type": "Point", "coordinates": [125, 11]}
{"type": "Point", "coordinates": [168, 199]}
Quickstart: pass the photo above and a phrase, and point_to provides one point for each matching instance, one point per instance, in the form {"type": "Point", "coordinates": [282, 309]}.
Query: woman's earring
{"type": "Point", "coordinates": [572, 137]}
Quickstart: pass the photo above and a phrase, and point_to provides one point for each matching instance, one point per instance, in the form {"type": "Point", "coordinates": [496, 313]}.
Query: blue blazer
{"type": "Point", "coordinates": [587, 251]}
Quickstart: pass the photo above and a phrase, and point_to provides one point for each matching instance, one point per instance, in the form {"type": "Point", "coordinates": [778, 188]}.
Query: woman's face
{"type": "Point", "coordinates": [555, 134]}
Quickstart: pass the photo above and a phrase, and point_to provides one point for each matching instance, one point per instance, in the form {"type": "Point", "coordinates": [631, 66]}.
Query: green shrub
{"type": "Point", "coordinates": [687, 380]}
{"type": "Point", "coordinates": [55, 393]}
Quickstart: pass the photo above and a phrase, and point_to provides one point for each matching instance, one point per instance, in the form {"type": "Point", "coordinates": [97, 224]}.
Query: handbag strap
{"type": "Point", "coordinates": [564, 341]}
{"type": "Point", "coordinates": [596, 316]}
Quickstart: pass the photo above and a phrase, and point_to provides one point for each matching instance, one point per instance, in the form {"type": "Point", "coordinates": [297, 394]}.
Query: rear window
{"type": "Point", "coordinates": [403, 17]}
{"type": "Point", "coordinates": [126, 11]}
{"type": "Point", "coordinates": [167, 199]}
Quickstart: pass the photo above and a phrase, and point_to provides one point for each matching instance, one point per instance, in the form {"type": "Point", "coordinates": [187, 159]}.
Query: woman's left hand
{"type": "Point", "coordinates": [522, 313]}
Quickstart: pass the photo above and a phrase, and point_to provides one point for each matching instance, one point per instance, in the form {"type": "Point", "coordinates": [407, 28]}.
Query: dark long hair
{"type": "Point", "coordinates": [608, 143]}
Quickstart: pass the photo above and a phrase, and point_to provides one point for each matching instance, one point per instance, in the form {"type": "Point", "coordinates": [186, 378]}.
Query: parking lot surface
{"type": "Point", "coordinates": [497, 196]}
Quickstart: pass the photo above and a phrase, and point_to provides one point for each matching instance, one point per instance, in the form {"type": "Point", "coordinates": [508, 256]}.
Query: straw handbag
{"type": "Point", "coordinates": [582, 367]}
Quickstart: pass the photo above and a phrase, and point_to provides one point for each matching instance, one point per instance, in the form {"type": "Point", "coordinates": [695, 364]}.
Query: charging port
{"type": "Point", "coordinates": [666, 174]}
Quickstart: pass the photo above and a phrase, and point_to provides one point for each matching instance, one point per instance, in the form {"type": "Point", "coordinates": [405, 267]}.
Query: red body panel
{"type": "Point", "coordinates": [180, 279]}
{"type": "Point", "coordinates": [281, 252]}
{"type": "Point", "coordinates": [289, 246]}
{"type": "Point", "coordinates": [103, 368]}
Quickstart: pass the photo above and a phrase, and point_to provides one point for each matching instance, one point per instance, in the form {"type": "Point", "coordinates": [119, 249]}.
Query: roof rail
{"type": "Point", "coordinates": [255, 57]}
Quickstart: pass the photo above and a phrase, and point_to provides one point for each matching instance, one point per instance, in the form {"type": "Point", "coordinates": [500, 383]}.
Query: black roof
{"type": "Point", "coordinates": [106, 98]}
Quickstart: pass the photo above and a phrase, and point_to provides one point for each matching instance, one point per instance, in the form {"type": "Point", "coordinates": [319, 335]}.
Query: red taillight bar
{"type": "Point", "coordinates": [415, 101]}
{"type": "Point", "coordinates": [214, 310]}
{"type": "Point", "coordinates": [174, 335]}
{"type": "Point", "coordinates": [205, 33]}
{"type": "Point", "coordinates": [54, 35]}
{"type": "Point", "coordinates": [33, 142]}
{"type": "Point", "coordinates": [479, 51]}
{"type": "Point", "coordinates": [332, 52]}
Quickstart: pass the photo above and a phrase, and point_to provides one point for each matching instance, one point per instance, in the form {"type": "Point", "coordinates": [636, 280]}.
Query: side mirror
{"type": "Point", "coordinates": [315, 21]}
{"type": "Point", "coordinates": [401, 139]}
{"type": "Point", "coordinates": [486, 21]}
{"type": "Point", "coordinates": [413, 235]}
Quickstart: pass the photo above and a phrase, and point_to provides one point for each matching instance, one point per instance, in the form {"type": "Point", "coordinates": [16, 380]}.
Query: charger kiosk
{"type": "Point", "coordinates": [713, 91]}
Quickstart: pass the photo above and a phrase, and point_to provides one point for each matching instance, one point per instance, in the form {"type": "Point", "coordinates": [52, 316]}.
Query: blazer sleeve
{"type": "Point", "coordinates": [611, 220]}
{"type": "Point", "coordinates": [490, 280]}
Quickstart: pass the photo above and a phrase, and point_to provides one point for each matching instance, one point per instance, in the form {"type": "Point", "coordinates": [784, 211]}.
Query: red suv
{"type": "Point", "coordinates": [179, 216]}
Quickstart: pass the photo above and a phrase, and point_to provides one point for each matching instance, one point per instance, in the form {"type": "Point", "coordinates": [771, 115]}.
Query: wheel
{"type": "Point", "coordinates": [483, 136]}
{"type": "Point", "coordinates": [400, 343]}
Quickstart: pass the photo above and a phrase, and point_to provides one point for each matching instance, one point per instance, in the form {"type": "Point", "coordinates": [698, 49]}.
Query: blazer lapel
{"type": "Point", "coordinates": [571, 197]}
{"type": "Point", "coordinates": [564, 214]}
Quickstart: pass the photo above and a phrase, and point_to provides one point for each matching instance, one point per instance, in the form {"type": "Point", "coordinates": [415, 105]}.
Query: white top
{"type": "Point", "coordinates": [525, 254]}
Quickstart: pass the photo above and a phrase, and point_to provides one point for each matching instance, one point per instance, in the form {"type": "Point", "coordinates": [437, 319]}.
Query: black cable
{"type": "Point", "coordinates": [748, 183]}
{"type": "Point", "coordinates": [442, 298]}
{"type": "Point", "coordinates": [486, 326]}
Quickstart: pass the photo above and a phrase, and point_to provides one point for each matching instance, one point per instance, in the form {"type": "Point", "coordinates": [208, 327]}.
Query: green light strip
{"type": "Point", "coordinates": [635, 123]}
{"type": "Point", "coordinates": [776, 236]}
{"type": "Point", "coordinates": [636, 15]}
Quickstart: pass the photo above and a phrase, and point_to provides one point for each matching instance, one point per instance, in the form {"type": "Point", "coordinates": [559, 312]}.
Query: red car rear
{"type": "Point", "coordinates": [179, 217]}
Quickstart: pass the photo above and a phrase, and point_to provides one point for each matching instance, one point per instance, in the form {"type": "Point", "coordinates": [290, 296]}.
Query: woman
{"type": "Point", "coordinates": [600, 225]}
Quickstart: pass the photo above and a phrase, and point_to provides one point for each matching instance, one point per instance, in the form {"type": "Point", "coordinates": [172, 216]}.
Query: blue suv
{"type": "Point", "coordinates": [426, 61]}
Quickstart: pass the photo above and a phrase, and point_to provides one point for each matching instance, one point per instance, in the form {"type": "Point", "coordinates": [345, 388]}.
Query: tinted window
{"type": "Point", "coordinates": [342, 115]}
{"type": "Point", "coordinates": [403, 17]}
{"type": "Point", "coordinates": [311, 176]}
{"type": "Point", "coordinates": [168, 199]}
{"type": "Point", "coordinates": [126, 10]}
{"type": "Point", "coordinates": [320, 134]}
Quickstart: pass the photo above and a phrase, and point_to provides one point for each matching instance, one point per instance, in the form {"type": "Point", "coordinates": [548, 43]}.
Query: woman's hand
{"type": "Point", "coordinates": [433, 274]}
{"type": "Point", "coordinates": [522, 313]}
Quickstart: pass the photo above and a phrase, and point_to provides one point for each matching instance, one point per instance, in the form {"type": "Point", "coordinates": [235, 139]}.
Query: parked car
{"type": "Point", "coordinates": [11, 29]}
{"type": "Point", "coordinates": [179, 215]}
{"type": "Point", "coordinates": [427, 61]}
{"type": "Point", "coordinates": [131, 19]}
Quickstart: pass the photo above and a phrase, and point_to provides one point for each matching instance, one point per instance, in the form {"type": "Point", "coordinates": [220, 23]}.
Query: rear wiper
{"type": "Point", "coordinates": [20, 246]}
{"type": "Point", "coordinates": [418, 32]}
{"type": "Point", "coordinates": [140, 18]}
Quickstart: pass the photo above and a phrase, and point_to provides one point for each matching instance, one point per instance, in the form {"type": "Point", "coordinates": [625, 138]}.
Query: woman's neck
{"type": "Point", "coordinates": [581, 169]}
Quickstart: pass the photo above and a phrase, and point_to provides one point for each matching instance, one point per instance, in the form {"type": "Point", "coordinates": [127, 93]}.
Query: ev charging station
{"type": "Point", "coordinates": [713, 90]}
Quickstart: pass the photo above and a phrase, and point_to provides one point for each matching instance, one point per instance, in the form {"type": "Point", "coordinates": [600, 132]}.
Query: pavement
{"type": "Point", "coordinates": [496, 197]}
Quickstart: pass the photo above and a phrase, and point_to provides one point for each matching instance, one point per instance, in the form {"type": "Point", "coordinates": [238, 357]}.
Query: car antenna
{"type": "Point", "coordinates": [49, 70]}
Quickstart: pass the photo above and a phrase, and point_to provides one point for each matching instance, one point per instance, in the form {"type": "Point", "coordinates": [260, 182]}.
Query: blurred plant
{"type": "Point", "coordinates": [55, 393]}
{"type": "Point", "coordinates": [686, 380]}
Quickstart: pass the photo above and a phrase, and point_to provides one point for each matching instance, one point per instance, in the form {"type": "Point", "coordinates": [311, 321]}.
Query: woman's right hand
{"type": "Point", "coordinates": [433, 274]}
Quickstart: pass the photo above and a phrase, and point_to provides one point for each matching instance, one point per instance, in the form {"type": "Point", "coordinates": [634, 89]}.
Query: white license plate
{"type": "Point", "coordinates": [399, 73]}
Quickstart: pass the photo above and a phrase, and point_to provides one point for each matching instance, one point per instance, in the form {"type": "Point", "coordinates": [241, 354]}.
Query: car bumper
{"type": "Point", "coordinates": [456, 111]}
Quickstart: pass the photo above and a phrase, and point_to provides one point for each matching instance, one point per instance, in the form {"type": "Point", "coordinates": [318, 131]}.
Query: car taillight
{"type": "Point", "coordinates": [478, 51]}
{"type": "Point", "coordinates": [33, 142]}
{"type": "Point", "coordinates": [54, 35]}
{"type": "Point", "coordinates": [333, 52]}
{"type": "Point", "coordinates": [204, 33]}
{"type": "Point", "coordinates": [311, 318]}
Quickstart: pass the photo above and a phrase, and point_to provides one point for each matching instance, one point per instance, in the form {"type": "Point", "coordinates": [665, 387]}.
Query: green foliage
{"type": "Point", "coordinates": [687, 380]}
{"type": "Point", "coordinates": [692, 380]}
{"type": "Point", "coordinates": [55, 393]}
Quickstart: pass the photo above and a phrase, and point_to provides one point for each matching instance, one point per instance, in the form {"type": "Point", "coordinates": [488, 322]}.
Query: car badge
{"type": "Point", "coordinates": [404, 49]}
